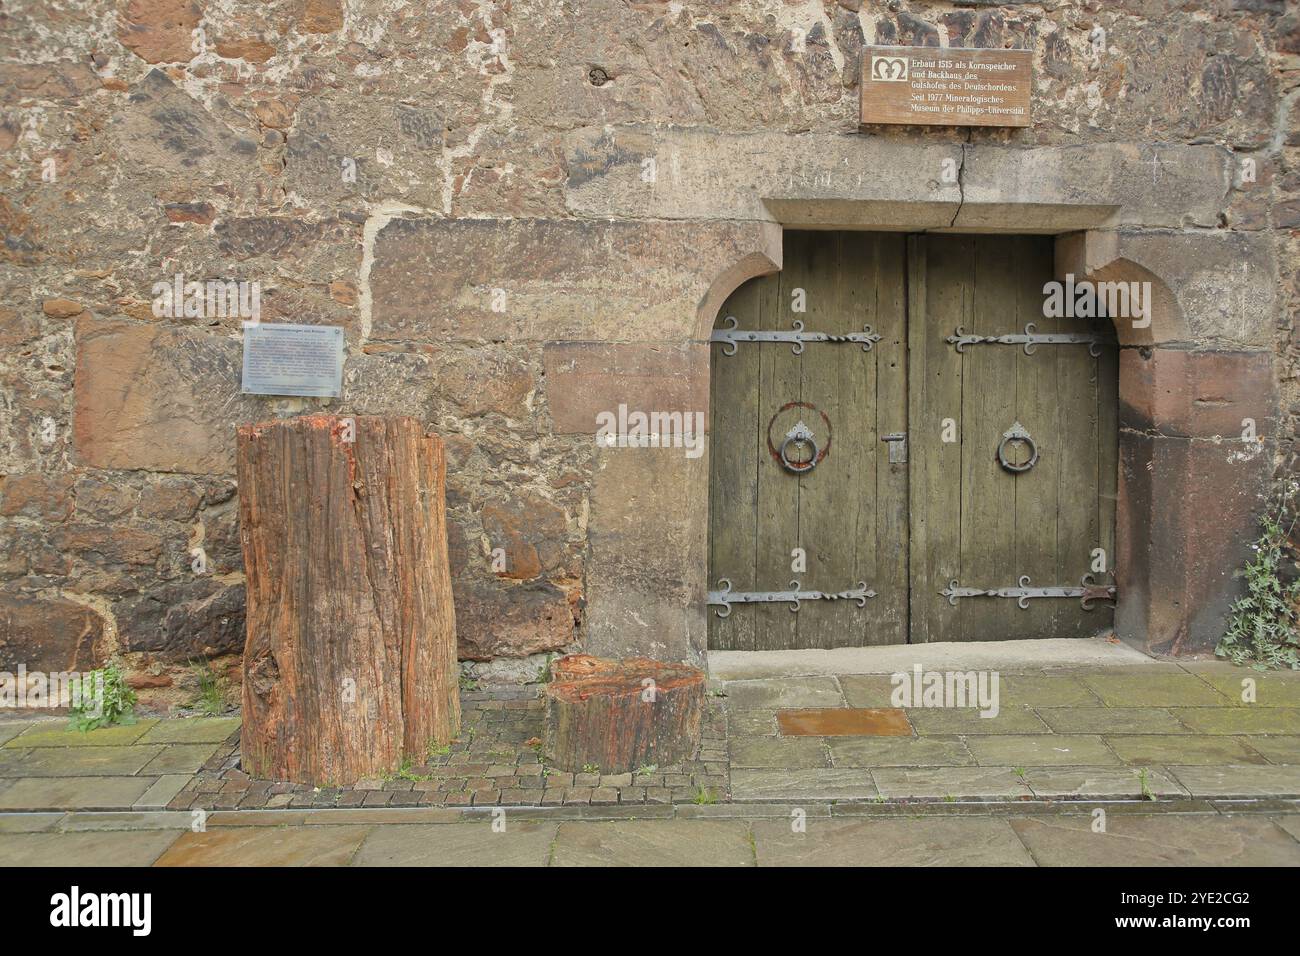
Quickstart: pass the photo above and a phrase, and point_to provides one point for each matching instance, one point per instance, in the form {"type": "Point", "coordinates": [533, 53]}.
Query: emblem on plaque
{"type": "Point", "coordinates": [889, 69]}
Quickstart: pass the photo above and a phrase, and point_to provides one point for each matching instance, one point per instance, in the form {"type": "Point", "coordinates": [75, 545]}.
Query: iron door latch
{"type": "Point", "coordinates": [897, 447]}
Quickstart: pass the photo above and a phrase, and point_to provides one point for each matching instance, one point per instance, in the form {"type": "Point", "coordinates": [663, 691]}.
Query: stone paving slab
{"type": "Point", "coordinates": [457, 844]}
{"type": "Point", "coordinates": [74, 793]}
{"type": "Point", "coordinates": [1245, 781]}
{"type": "Point", "coordinates": [837, 783]}
{"type": "Point", "coordinates": [57, 733]}
{"type": "Point", "coordinates": [1068, 783]}
{"type": "Point", "coordinates": [750, 811]}
{"type": "Point", "coordinates": [968, 783]}
{"type": "Point", "coordinates": [927, 842]}
{"type": "Point", "coordinates": [1230, 805]}
{"type": "Point", "coordinates": [1240, 720]}
{"type": "Point", "coordinates": [1041, 750]}
{"type": "Point", "coordinates": [1153, 840]}
{"type": "Point", "coordinates": [1284, 750]}
{"type": "Point", "coordinates": [636, 811]}
{"type": "Point", "coordinates": [76, 761]}
{"type": "Point", "coordinates": [654, 843]}
{"type": "Point", "coordinates": [1148, 750]}
{"type": "Point", "coordinates": [867, 752]}
{"type": "Point", "coordinates": [1272, 689]}
{"type": "Point", "coordinates": [181, 758]}
{"type": "Point", "coordinates": [1154, 690]}
{"type": "Point", "coordinates": [12, 728]}
{"type": "Point", "coordinates": [191, 730]}
{"type": "Point", "coordinates": [751, 723]}
{"type": "Point", "coordinates": [263, 846]}
{"type": "Point", "coordinates": [378, 815]}
{"type": "Point", "coordinates": [28, 822]}
{"type": "Point", "coordinates": [1111, 720]}
{"type": "Point", "coordinates": [867, 690]}
{"type": "Point", "coordinates": [126, 820]}
{"type": "Point", "coordinates": [162, 792]}
{"type": "Point", "coordinates": [92, 848]}
{"type": "Point", "coordinates": [1291, 824]}
{"type": "Point", "coordinates": [790, 753]}
{"type": "Point", "coordinates": [784, 693]}
{"type": "Point", "coordinates": [966, 720]}
{"type": "Point", "coordinates": [1044, 690]}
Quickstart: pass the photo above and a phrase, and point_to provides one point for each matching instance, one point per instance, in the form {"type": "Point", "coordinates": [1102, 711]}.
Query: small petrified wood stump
{"type": "Point", "coordinates": [622, 715]}
{"type": "Point", "coordinates": [350, 659]}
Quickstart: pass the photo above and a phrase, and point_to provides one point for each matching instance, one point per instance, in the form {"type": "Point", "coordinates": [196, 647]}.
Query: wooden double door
{"type": "Point", "coordinates": [883, 470]}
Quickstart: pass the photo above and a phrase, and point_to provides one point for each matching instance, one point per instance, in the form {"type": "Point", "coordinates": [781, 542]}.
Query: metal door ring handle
{"type": "Point", "coordinates": [799, 467]}
{"type": "Point", "coordinates": [1016, 433]}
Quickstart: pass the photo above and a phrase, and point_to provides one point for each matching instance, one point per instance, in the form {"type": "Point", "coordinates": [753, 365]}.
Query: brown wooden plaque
{"type": "Point", "coordinates": [940, 86]}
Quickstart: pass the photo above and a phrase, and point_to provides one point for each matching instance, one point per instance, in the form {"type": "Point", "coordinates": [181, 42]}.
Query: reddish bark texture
{"type": "Point", "coordinates": [350, 661]}
{"type": "Point", "coordinates": [620, 715]}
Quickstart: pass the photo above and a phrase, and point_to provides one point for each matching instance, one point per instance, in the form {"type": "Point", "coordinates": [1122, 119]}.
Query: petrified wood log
{"type": "Point", "coordinates": [350, 658]}
{"type": "Point", "coordinates": [619, 715]}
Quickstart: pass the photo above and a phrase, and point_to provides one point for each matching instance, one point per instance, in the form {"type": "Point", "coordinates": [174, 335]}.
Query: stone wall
{"type": "Point", "coordinates": [526, 212]}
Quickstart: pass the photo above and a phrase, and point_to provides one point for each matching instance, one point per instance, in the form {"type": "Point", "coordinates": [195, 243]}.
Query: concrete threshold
{"type": "Point", "coordinates": [953, 655]}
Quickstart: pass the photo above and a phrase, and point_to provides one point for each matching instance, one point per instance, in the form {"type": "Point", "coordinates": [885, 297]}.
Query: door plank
{"type": "Point", "coordinates": [836, 510]}
{"type": "Point", "coordinates": [780, 373]}
{"type": "Point", "coordinates": [989, 408]}
{"type": "Point", "coordinates": [1040, 393]}
{"type": "Point", "coordinates": [939, 286]}
{"type": "Point", "coordinates": [733, 486]}
{"type": "Point", "coordinates": [1107, 462]}
{"type": "Point", "coordinates": [889, 620]}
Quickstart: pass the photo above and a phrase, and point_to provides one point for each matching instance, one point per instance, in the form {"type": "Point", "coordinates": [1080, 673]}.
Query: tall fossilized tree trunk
{"type": "Point", "coordinates": [350, 659]}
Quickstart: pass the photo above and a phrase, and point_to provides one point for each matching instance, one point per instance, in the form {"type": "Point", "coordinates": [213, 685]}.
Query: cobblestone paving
{"type": "Point", "coordinates": [496, 761]}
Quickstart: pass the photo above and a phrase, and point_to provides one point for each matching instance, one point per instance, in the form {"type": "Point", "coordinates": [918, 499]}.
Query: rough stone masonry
{"type": "Point", "coordinates": [463, 187]}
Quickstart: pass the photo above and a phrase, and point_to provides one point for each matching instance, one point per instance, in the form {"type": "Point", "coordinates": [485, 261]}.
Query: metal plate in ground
{"type": "Point", "coordinates": [844, 722]}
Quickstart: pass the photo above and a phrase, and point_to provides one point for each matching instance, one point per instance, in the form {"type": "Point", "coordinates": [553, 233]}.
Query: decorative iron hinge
{"type": "Point", "coordinates": [731, 336]}
{"type": "Point", "coordinates": [1029, 339]}
{"type": "Point", "coordinates": [726, 597]}
{"type": "Point", "coordinates": [1087, 592]}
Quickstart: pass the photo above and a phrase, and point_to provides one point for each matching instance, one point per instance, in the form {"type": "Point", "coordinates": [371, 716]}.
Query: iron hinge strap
{"type": "Point", "coordinates": [1087, 592]}
{"type": "Point", "coordinates": [1029, 339]}
{"type": "Point", "coordinates": [725, 597]}
{"type": "Point", "coordinates": [731, 336]}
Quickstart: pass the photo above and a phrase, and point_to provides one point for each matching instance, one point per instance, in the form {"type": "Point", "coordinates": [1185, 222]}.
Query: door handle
{"type": "Point", "coordinates": [800, 434]}
{"type": "Point", "coordinates": [897, 447]}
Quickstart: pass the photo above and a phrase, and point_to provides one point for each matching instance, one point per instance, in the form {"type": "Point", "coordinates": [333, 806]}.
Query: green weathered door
{"type": "Point", "coordinates": [973, 521]}
{"type": "Point", "coordinates": [944, 508]}
{"type": "Point", "coordinates": [849, 513]}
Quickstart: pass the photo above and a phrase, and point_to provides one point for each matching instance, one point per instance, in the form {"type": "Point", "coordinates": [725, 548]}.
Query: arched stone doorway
{"type": "Point", "coordinates": [954, 442]}
{"type": "Point", "coordinates": [1190, 387]}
